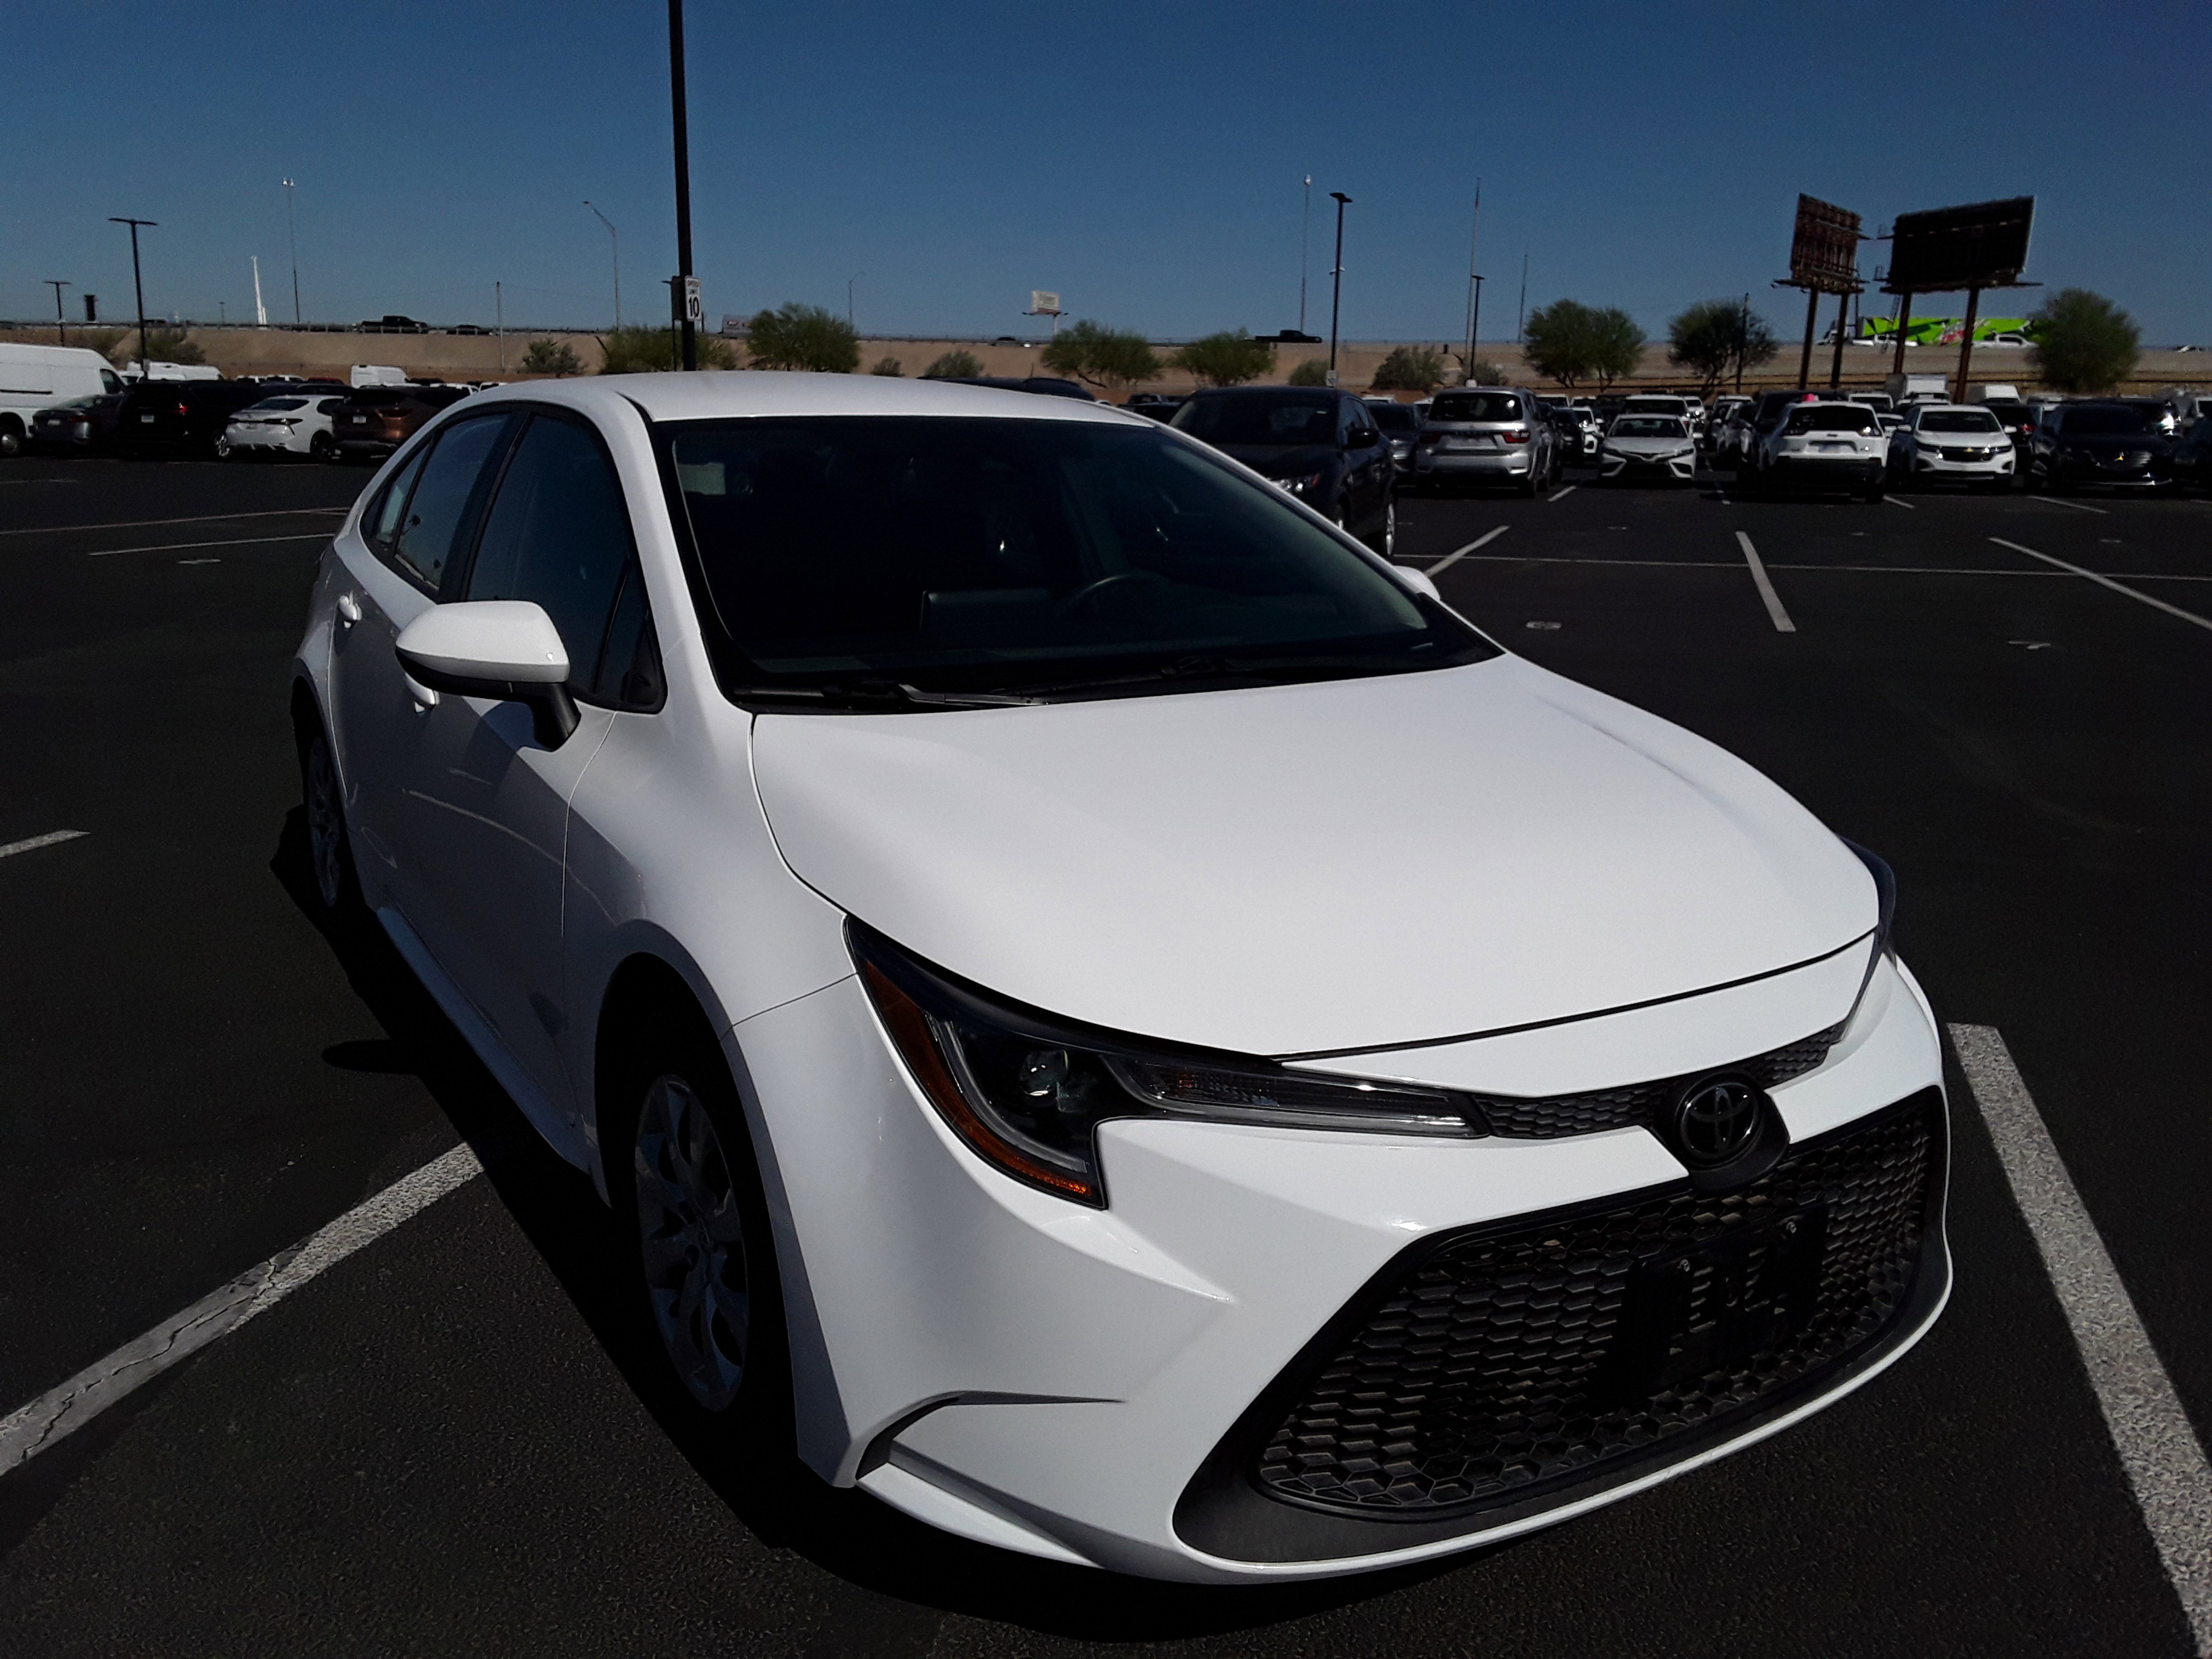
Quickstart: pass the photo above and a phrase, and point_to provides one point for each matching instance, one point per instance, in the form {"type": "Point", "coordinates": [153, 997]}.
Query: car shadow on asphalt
{"type": "Point", "coordinates": [754, 1470]}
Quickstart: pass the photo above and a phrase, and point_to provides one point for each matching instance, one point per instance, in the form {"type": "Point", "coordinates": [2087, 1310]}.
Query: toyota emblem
{"type": "Point", "coordinates": [1715, 1119]}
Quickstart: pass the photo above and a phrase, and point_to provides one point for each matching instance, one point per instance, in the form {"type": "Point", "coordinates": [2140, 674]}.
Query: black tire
{"type": "Point", "coordinates": [330, 848]}
{"type": "Point", "coordinates": [322, 447]}
{"type": "Point", "coordinates": [11, 438]}
{"type": "Point", "coordinates": [672, 1129]}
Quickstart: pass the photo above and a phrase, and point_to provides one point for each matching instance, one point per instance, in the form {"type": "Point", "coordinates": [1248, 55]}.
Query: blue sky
{"type": "Point", "coordinates": [1143, 159]}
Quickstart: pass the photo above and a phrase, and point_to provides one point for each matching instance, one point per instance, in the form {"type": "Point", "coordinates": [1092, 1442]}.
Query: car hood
{"type": "Point", "coordinates": [1647, 446]}
{"type": "Point", "coordinates": [1307, 868]}
{"type": "Point", "coordinates": [1281, 460]}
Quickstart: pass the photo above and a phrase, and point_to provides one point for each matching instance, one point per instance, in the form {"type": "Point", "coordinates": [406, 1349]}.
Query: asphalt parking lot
{"type": "Point", "coordinates": [454, 1440]}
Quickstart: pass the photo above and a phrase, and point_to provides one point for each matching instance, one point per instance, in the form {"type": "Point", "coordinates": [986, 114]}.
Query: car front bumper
{"type": "Point", "coordinates": [1988, 469]}
{"type": "Point", "coordinates": [1073, 1384]}
{"type": "Point", "coordinates": [1641, 469]}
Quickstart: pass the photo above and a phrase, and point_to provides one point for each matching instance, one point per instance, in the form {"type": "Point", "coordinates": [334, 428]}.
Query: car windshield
{"type": "Point", "coordinates": [1395, 417]}
{"type": "Point", "coordinates": [1475, 406]}
{"type": "Point", "coordinates": [2006, 410]}
{"type": "Point", "coordinates": [1958, 420]}
{"type": "Point", "coordinates": [282, 403]}
{"type": "Point", "coordinates": [1832, 418]}
{"type": "Point", "coordinates": [1648, 425]}
{"type": "Point", "coordinates": [877, 560]}
{"type": "Point", "coordinates": [1657, 406]}
{"type": "Point", "coordinates": [2109, 420]}
{"type": "Point", "coordinates": [1259, 417]}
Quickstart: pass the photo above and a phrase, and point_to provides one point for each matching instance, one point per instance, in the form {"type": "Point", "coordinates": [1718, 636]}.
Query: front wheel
{"type": "Point", "coordinates": [1390, 527]}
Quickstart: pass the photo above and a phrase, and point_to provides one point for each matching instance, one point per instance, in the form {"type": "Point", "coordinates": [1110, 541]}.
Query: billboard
{"type": "Point", "coordinates": [1824, 251]}
{"type": "Point", "coordinates": [1043, 302]}
{"type": "Point", "coordinates": [1984, 245]}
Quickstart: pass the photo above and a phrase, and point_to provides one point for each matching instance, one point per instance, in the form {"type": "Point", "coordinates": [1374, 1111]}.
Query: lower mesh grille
{"type": "Point", "coordinates": [1510, 1357]}
{"type": "Point", "coordinates": [1639, 1105]}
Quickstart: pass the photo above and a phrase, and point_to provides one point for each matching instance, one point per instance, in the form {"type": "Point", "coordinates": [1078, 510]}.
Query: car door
{"type": "Point", "coordinates": [1362, 493]}
{"type": "Point", "coordinates": [485, 804]}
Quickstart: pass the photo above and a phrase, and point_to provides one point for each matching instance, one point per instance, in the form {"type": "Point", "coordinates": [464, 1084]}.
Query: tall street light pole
{"type": "Point", "coordinates": [682, 182]}
{"type": "Point", "coordinates": [849, 280]}
{"type": "Point", "coordinates": [292, 235]}
{"type": "Point", "coordinates": [1473, 282]}
{"type": "Point", "coordinates": [1336, 282]}
{"type": "Point", "coordinates": [61, 318]}
{"type": "Point", "coordinates": [138, 283]}
{"type": "Point", "coordinates": [617, 241]}
{"type": "Point", "coordinates": [1305, 258]}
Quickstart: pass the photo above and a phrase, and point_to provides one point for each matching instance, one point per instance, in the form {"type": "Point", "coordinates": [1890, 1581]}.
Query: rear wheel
{"type": "Point", "coordinates": [330, 854]}
{"type": "Point", "coordinates": [1390, 527]}
{"type": "Point", "coordinates": [322, 447]}
{"type": "Point", "coordinates": [11, 437]}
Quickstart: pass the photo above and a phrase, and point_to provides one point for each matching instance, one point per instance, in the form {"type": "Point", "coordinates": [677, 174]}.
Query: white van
{"type": "Point", "coordinates": [36, 377]}
{"type": "Point", "coordinates": [134, 371]}
{"type": "Point", "coordinates": [378, 375]}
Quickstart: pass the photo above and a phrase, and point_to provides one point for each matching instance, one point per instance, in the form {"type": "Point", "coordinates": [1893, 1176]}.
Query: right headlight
{"type": "Point", "coordinates": [1027, 1092]}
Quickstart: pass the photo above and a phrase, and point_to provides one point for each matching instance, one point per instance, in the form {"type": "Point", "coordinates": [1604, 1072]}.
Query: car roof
{"type": "Point", "coordinates": [715, 394]}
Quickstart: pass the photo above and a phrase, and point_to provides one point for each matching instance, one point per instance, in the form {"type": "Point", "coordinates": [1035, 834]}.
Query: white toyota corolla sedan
{"type": "Point", "coordinates": [1156, 1042]}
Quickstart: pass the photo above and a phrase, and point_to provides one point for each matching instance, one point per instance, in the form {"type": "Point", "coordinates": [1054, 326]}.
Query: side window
{"type": "Point", "coordinates": [382, 522]}
{"type": "Point", "coordinates": [559, 533]}
{"type": "Point", "coordinates": [109, 382]}
{"type": "Point", "coordinates": [448, 500]}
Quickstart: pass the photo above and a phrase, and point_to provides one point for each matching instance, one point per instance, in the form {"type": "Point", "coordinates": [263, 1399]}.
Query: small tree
{"type": "Point", "coordinates": [1617, 346]}
{"type": "Point", "coordinates": [1225, 359]}
{"type": "Point", "coordinates": [888, 366]}
{"type": "Point", "coordinates": [2083, 342]}
{"type": "Point", "coordinates": [1410, 369]}
{"type": "Point", "coordinates": [1485, 372]}
{"type": "Point", "coordinates": [1570, 342]}
{"type": "Point", "coordinates": [643, 349]}
{"type": "Point", "coordinates": [555, 357]}
{"type": "Point", "coordinates": [1715, 338]}
{"type": "Point", "coordinates": [1312, 371]}
{"type": "Point", "coordinates": [804, 336]}
{"type": "Point", "coordinates": [954, 366]}
{"type": "Point", "coordinates": [1103, 356]}
{"type": "Point", "coordinates": [172, 345]}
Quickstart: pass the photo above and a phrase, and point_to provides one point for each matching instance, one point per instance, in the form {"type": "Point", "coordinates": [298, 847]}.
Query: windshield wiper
{"type": "Point", "coordinates": [1276, 670]}
{"type": "Point", "coordinates": [874, 694]}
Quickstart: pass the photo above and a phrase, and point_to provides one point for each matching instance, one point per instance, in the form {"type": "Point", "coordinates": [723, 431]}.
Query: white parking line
{"type": "Point", "coordinates": [1561, 494]}
{"type": "Point", "coordinates": [54, 839]}
{"type": "Point", "coordinates": [1907, 505]}
{"type": "Point", "coordinates": [2079, 506]}
{"type": "Point", "coordinates": [2164, 1464]}
{"type": "Point", "coordinates": [1782, 622]}
{"type": "Point", "coordinates": [2107, 581]}
{"type": "Point", "coordinates": [29, 1429]}
{"type": "Point", "coordinates": [171, 547]}
{"type": "Point", "coordinates": [147, 524]}
{"type": "Point", "coordinates": [1459, 553]}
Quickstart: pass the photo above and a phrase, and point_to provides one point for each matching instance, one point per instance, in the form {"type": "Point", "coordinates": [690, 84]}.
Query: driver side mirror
{"type": "Point", "coordinates": [505, 649]}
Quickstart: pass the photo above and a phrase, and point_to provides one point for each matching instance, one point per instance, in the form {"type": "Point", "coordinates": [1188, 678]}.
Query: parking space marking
{"type": "Point", "coordinates": [171, 547]}
{"type": "Point", "coordinates": [148, 524]}
{"type": "Point", "coordinates": [2164, 1463]}
{"type": "Point", "coordinates": [1561, 494]}
{"type": "Point", "coordinates": [1893, 502]}
{"type": "Point", "coordinates": [53, 839]}
{"type": "Point", "coordinates": [1459, 553]}
{"type": "Point", "coordinates": [29, 1429]}
{"type": "Point", "coordinates": [2107, 581]}
{"type": "Point", "coordinates": [2079, 506]}
{"type": "Point", "coordinates": [1782, 622]}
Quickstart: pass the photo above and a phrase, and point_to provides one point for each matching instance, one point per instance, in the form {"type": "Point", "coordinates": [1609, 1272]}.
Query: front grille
{"type": "Point", "coordinates": [1518, 1357]}
{"type": "Point", "coordinates": [1639, 1105]}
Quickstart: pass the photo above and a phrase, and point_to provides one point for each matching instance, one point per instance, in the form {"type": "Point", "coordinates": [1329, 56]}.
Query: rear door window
{"type": "Point", "coordinates": [447, 501]}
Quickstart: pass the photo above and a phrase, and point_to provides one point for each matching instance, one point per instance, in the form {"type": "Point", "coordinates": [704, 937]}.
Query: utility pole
{"type": "Point", "coordinates": [1336, 278]}
{"type": "Point", "coordinates": [616, 242]}
{"type": "Point", "coordinates": [499, 323]}
{"type": "Point", "coordinates": [1473, 283]}
{"type": "Point", "coordinates": [292, 235]}
{"type": "Point", "coordinates": [849, 280]}
{"type": "Point", "coordinates": [61, 321]}
{"type": "Point", "coordinates": [682, 182]}
{"type": "Point", "coordinates": [138, 282]}
{"type": "Point", "coordinates": [1305, 239]}
{"type": "Point", "coordinates": [1521, 318]}
{"type": "Point", "coordinates": [1742, 340]}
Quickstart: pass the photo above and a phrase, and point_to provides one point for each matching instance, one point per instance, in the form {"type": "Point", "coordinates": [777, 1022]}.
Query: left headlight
{"type": "Point", "coordinates": [1027, 1092]}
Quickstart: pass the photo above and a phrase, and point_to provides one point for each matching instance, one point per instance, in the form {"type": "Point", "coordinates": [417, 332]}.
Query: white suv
{"type": "Point", "coordinates": [1825, 446]}
{"type": "Point", "coordinates": [1951, 443]}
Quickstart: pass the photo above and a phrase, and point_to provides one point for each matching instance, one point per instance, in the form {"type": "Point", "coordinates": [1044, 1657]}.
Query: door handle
{"type": "Point", "coordinates": [349, 610]}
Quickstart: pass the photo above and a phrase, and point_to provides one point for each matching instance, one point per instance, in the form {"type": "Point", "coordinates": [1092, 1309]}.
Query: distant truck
{"type": "Point", "coordinates": [1924, 388]}
{"type": "Point", "coordinates": [36, 377]}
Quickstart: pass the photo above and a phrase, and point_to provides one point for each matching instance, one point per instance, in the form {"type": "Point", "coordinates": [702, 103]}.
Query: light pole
{"type": "Point", "coordinates": [138, 283]}
{"type": "Point", "coordinates": [1336, 282]}
{"type": "Point", "coordinates": [292, 236]}
{"type": "Point", "coordinates": [616, 242]}
{"type": "Point", "coordinates": [1474, 281]}
{"type": "Point", "coordinates": [849, 280]}
{"type": "Point", "coordinates": [682, 182]}
{"type": "Point", "coordinates": [1305, 241]}
{"type": "Point", "coordinates": [61, 321]}
{"type": "Point", "coordinates": [1474, 324]}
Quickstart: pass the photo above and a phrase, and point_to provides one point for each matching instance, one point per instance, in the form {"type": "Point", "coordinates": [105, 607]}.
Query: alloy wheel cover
{"type": "Point", "coordinates": [691, 1243]}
